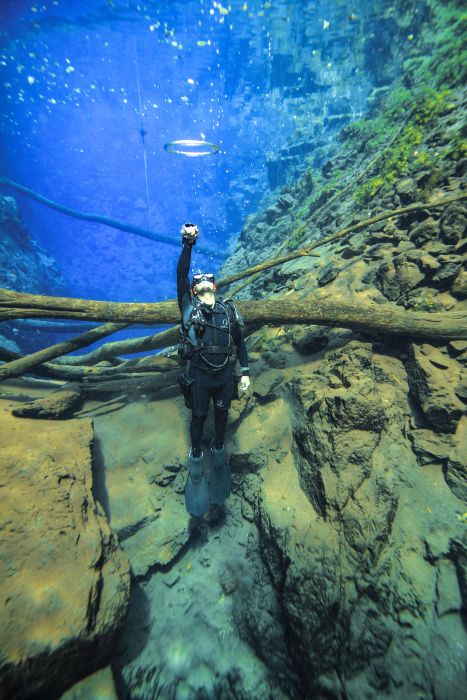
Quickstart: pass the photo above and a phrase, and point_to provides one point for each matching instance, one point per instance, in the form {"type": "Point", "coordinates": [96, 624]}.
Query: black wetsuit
{"type": "Point", "coordinates": [212, 375]}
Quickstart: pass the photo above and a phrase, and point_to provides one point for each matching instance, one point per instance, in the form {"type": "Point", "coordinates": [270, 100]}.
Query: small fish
{"type": "Point", "coordinates": [143, 133]}
{"type": "Point", "coordinates": [325, 24]}
{"type": "Point", "coordinates": [353, 17]}
{"type": "Point", "coordinates": [189, 566]}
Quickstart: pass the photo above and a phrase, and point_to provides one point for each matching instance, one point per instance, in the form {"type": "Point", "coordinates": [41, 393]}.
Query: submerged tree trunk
{"type": "Point", "coordinates": [383, 318]}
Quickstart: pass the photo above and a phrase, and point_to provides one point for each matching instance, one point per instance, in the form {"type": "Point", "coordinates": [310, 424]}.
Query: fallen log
{"type": "Point", "coordinates": [67, 399]}
{"type": "Point", "coordinates": [109, 351]}
{"type": "Point", "coordinates": [17, 367]}
{"type": "Point", "coordinates": [99, 219]}
{"type": "Point", "coordinates": [133, 386]}
{"type": "Point", "coordinates": [390, 319]}
{"type": "Point", "coordinates": [387, 318]}
{"type": "Point", "coordinates": [51, 370]}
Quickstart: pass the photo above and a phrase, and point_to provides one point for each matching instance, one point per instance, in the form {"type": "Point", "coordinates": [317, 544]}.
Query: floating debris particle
{"type": "Point", "coordinates": [325, 24]}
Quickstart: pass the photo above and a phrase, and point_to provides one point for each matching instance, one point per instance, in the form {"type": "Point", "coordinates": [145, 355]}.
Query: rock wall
{"type": "Point", "coordinates": [350, 456]}
{"type": "Point", "coordinates": [360, 533]}
{"type": "Point", "coordinates": [65, 581]}
{"type": "Point", "coordinates": [24, 267]}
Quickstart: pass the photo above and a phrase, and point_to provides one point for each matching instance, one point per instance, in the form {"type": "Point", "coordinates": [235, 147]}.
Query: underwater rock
{"type": "Point", "coordinates": [65, 581]}
{"type": "Point", "coordinates": [456, 468]}
{"type": "Point", "coordinates": [407, 191]}
{"type": "Point", "coordinates": [453, 223]}
{"type": "Point", "coordinates": [430, 447]}
{"type": "Point", "coordinates": [327, 274]}
{"type": "Point", "coordinates": [396, 277]}
{"type": "Point", "coordinates": [433, 386]}
{"type": "Point", "coordinates": [58, 405]}
{"type": "Point", "coordinates": [459, 286]}
{"type": "Point", "coordinates": [142, 479]}
{"type": "Point", "coordinates": [266, 384]}
{"type": "Point", "coordinates": [450, 266]}
{"type": "Point", "coordinates": [273, 213]}
{"type": "Point", "coordinates": [344, 529]}
{"type": "Point", "coordinates": [424, 232]}
{"type": "Point", "coordinates": [24, 266]}
{"type": "Point", "coordinates": [307, 340]}
{"type": "Point", "coordinates": [98, 685]}
{"type": "Point", "coordinates": [286, 201]}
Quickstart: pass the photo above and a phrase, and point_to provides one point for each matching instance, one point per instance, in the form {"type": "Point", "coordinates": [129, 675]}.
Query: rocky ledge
{"type": "Point", "coordinates": [65, 581]}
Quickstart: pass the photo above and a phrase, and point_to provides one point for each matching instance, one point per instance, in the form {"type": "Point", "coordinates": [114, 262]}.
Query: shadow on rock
{"type": "Point", "coordinates": [134, 638]}
{"type": "Point", "coordinates": [98, 476]}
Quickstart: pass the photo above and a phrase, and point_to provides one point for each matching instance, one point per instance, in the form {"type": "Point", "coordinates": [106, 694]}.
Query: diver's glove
{"type": "Point", "coordinates": [189, 233]}
{"type": "Point", "coordinates": [244, 382]}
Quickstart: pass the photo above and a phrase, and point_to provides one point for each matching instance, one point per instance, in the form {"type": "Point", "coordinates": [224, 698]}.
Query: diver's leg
{"type": "Point", "coordinates": [222, 399]}
{"type": "Point", "coordinates": [196, 487]}
{"type": "Point", "coordinates": [220, 426]}
{"type": "Point", "coordinates": [219, 481]}
{"type": "Point", "coordinates": [196, 433]}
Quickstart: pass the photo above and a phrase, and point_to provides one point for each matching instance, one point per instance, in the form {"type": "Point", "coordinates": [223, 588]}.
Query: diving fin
{"type": "Point", "coordinates": [196, 487]}
{"type": "Point", "coordinates": [219, 480]}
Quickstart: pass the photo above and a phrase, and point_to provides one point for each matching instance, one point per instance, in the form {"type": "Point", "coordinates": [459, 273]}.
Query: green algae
{"type": "Point", "coordinates": [408, 153]}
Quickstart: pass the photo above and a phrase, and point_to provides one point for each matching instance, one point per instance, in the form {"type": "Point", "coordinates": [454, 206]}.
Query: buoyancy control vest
{"type": "Point", "coordinates": [193, 328]}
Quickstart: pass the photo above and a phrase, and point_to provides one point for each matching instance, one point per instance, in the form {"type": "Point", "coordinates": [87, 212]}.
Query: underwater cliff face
{"type": "Point", "coordinates": [339, 568]}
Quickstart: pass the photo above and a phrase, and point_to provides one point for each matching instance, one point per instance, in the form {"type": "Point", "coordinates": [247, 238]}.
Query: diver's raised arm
{"type": "Point", "coordinates": [189, 235]}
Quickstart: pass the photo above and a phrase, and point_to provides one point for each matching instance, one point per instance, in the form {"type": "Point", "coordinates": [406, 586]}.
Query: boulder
{"type": "Point", "coordinates": [286, 201]}
{"type": "Point", "coordinates": [273, 213]}
{"type": "Point", "coordinates": [308, 340]}
{"type": "Point", "coordinates": [396, 277]}
{"type": "Point", "coordinates": [456, 468]}
{"type": "Point", "coordinates": [446, 274]}
{"type": "Point", "coordinates": [65, 580]}
{"type": "Point", "coordinates": [266, 384]}
{"type": "Point", "coordinates": [407, 191]}
{"type": "Point", "coordinates": [424, 232]}
{"type": "Point", "coordinates": [459, 285]}
{"type": "Point", "coordinates": [433, 378]}
{"type": "Point", "coordinates": [58, 405]}
{"type": "Point", "coordinates": [453, 223]}
{"type": "Point", "coordinates": [327, 274]}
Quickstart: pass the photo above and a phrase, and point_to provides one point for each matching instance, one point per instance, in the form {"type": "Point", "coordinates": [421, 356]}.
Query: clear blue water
{"type": "Point", "coordinates": [81, 79]}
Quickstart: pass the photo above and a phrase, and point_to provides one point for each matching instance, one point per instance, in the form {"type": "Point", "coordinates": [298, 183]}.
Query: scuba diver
{"type": "Point", "coordinates": [210, 330]}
